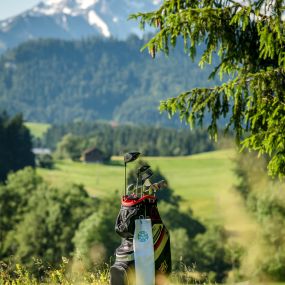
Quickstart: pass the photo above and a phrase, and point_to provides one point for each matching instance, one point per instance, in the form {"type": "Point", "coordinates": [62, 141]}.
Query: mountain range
{"type": "Point", "coordinates": [80, 60]}
{"type": "Point", "coordinates": [60, 81]}
{"type": "Point", "coordinates": [74, 19]}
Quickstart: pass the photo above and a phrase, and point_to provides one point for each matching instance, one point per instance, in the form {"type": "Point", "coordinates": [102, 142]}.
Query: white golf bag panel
{"type": "Point", "coordinates": [144, 252]}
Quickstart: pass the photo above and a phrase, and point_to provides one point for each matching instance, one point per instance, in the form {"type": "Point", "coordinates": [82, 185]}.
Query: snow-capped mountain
{"type": "Point", "coordinates": [74, 19]}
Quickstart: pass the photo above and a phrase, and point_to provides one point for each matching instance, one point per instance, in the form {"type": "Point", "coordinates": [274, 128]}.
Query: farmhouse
{"type": "Point", "coordinates": [93, 155]}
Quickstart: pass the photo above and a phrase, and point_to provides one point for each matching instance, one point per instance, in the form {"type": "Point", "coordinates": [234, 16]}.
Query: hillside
{"type": "Point", "coordinates": [56, 81]}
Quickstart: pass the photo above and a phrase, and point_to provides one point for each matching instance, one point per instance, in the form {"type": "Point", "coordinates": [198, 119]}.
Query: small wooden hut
{"type": "Point", "coordinates": [93, 155]}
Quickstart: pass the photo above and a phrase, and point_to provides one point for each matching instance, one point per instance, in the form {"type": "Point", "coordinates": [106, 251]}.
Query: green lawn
{"type": "Point", "coordinates": [98, 179]}
{"type": "Point", "coordinates": [200, 179]}
{"type": "Point", "coordinates": [37, 129]}
{"type": "Point", "coordinates": [205, 182]}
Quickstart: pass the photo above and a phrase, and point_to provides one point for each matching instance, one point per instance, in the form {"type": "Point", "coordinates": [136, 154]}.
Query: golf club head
{"type": "Point", "coordinates": [146, 175]}
{"type": "Point", "coordinates": [130, 189]}
{"type": "Point", "coordinates": [131, 156]}
{"type": "Point", "coordinates": [159, 185]}
{"type": "Point", "coordinates": [143, 168]}
{"type": "Point", "coordinates": [147, 183]}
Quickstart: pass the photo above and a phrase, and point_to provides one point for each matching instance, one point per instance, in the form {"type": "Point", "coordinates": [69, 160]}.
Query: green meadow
{"type": "Point", "coordinates": [201, 179]}
{"type": "Point", "coordinates": [204, 181]}
{"type": "Point", "coordinates": [37, 129]}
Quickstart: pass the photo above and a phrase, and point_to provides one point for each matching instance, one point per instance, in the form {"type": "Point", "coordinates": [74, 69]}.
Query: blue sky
{"type": "Point", "coordinates": [10, 8]}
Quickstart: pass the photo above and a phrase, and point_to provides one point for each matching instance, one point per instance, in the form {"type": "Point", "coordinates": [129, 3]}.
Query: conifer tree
{"type": "Point", "coordinates": [15, 145]}
{"type": "Point", "coordinates": [248, 38]}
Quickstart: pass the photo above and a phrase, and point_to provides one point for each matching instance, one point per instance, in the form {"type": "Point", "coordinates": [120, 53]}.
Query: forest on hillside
{"type": "Point", "coordinates": [74, 138]}
{"type": "Point", "coordinates": [57, 81]}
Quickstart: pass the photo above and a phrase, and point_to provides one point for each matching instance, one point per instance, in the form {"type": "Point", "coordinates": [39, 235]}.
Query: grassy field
{"type": "Point", "coordinates": [199, 179]}
{"type": "Point", "coordinates": [37, 129]}
{"type": "Point", "coordinates": [205, 182]}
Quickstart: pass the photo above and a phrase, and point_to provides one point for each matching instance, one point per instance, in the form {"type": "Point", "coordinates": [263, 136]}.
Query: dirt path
{"type": "Point", "coordinates": [241, 225]}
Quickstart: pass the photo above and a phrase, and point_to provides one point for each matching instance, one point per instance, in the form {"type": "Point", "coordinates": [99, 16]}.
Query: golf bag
{"type": "Point", "coordinates": [123, 270]}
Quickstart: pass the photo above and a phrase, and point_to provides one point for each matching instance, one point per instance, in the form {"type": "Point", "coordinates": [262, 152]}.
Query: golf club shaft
{"type": "Point", "coordinates": [125, 178]}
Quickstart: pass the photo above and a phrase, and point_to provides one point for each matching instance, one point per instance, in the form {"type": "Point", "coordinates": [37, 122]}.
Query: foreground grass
{"type": "Point", "coordinates": [62, 275]}
{"type": "Point", "coordinates": [74, 272]}
{"type": "Point", "coordinates": [65, 275]}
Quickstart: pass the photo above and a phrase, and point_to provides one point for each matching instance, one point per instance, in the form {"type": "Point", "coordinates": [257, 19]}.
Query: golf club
{"type": "Point", "coordinates": [146, 175]}
{"type": "Point", "coordinates": [130, 189]}
{"type": "Point", "coordinates": [152, 188]}
{"type": "Point", "coordinates": [141, 170]}
{"type": "Point", "coordinates": [129, 157]}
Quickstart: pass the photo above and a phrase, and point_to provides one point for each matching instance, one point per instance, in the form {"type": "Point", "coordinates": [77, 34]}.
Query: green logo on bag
{"type": "Point", "coordinates": [142, 236]}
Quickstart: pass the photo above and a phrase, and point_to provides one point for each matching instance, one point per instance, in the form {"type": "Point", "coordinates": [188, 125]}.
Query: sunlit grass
{"type": "Point", "coordinates": [37, 129]}
{"type": "Point", "coordinates": [98, 179]}
{"type": "Point", "coordinates": [65, 275]}
{"type": "Point", "coordinates": [204, 181]}
{"type": "Point", "coordinates": [200, 179]}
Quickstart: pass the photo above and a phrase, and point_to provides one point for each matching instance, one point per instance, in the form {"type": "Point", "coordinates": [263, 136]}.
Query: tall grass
{"type": "Point", "coordinates": [67, 273]}
{"type": "Point", "coordinates": [74, 273]}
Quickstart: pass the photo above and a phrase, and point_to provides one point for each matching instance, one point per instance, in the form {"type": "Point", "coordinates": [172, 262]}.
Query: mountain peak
{"type": "Point", "coordinates": [70, 7]}
{"type": "Point", "coordinates": [74, 19]}
{"type": "Point", "coordinates": [83, 4]}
